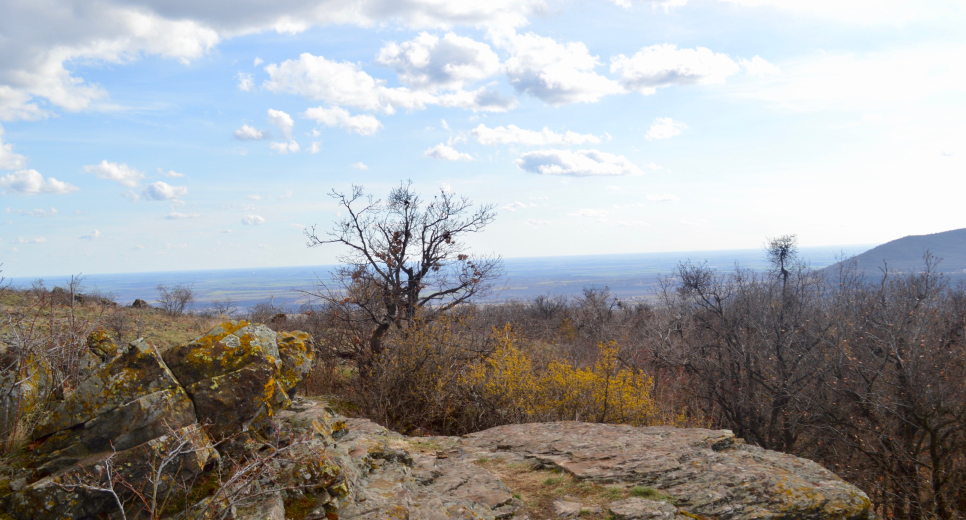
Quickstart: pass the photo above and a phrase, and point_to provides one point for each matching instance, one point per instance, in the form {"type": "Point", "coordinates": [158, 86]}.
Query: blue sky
{"type": "Point", "coordinates": [167, 135]}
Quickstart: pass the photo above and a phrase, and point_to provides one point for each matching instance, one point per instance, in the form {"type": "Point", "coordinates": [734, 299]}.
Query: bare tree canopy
{"type": "Point", "coordinates": [405, 257]}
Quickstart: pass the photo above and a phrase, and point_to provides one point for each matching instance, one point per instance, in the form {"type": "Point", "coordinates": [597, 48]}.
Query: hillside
{"type": "Point", "coordinates": [906, 253]}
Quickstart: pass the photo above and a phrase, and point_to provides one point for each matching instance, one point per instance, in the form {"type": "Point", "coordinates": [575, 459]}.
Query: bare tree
{"type": "Point", "coordinates": [405, 257]}
{"type": "Point", "coordinates": [175, 300]}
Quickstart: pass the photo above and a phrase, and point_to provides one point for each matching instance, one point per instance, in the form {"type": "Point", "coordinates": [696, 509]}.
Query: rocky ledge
{"type": "Point", "coordinates": [213, 429]}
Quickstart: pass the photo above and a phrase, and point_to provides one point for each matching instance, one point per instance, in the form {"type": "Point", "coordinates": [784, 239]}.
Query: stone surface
{"type": "Point", "coordinates": [135, 374]}
{"type": "Point", "coordinates": [297, 351]}
{"type": "Point", "coordinates": [635, 508]}
{"type": "Point", "coordinates": [708, 472]}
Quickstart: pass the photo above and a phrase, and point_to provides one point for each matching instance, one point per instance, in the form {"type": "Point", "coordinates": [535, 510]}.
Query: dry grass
{"type": "Point", "coordinates": [538, 489]}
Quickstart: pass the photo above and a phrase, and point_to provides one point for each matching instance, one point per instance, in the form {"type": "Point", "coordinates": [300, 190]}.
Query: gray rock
{"type": "Point", "coordinates": [635, 508]}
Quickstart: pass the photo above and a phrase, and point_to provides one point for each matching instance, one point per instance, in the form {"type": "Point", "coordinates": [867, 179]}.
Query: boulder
{"type": "Point", "coordinates": [709, 473]}
{"type": "Point", "coordinates": [139, 371]}
{"type": "Point", "coordinates": [235, 373]}
{"type": "Point", "coordinates": [154, 469]}
{"type": "Point", "coordinates": [297, 352]}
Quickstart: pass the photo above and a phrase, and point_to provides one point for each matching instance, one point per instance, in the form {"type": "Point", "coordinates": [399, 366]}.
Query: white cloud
{"type": "Point", "coordinates": [170, 173]}
{"type": "Point", "coordinates": [31, 182]}
{"type": "Point", "coordinates": [665, 128]}
{"type": "Point", "coordinates": [553, 72]}
{"type": "Point", "coordinates": [93, 235]}
{"type": "Point", "coordinates": [447, 153]}
{"type": "Point", "coordinates": [535, 223]}
{"type": "Point", "coordinates": [282, 121]}
{"type": "Point", "coordinates": [8, 159]}
{"type": "Point", "coordinates": [297, 226]}
{"type": "Point", "coordinates": [315, 147]}
{"type": "Point", "coordinates": [249, 133]}
{"type": "Point", "coordinates": [666, 65]}
{"type": "Point", "coordinates": [118, 172]}
{"type": "Point", "coordinates": [34, 212]}
{"type": "Point", "coordinates": [445, 188]}
{"type": "Point", "coordinates": [444, 124]}
{"type": "Point", "coordinates": [340, 83]}
{"type": "Point", "coordinates": [590, 213]}
{"type": "Point", "coordinates": [38, 240]}
{"type": "Point", "coordinates": [359, 166]}
{"type": "Point", "coordinates": [337, 116]}
{"type": "Point", "coordinates": [174, 215]}
{"type": "Point", "coordinates": [283, 148]}
{"type": "Point", "coordinates": [252, 220]}
{"type": "Point", "coordinates": [245, 82]}
{"type": "Point", "coordinates": [482, 99]}
{"type": "Point", "coordinates": [630, 223]}
{"type": "Point", "coordinates": [757, 66]}
{"type": "Point", "coordinates": [428, 62]}
{"type": "Point", "coordinates": [258, 61]}
{"type": "Point", "coordinates": [163, 191]}
{"type": "Point", "coordinates": [513, 206]}
{"type": "Point", "coordinates": [576, 163]}
{"type": "Point", "coordinates": [664, 197]}
{"type": "Point", "coordinates": [286, 195]}
{"type": "Point", "coordinates": [254, 197]}
{"type": "Point", "coordinates": [40, 38]}
{"type": "Point", "coordinates": [512, 134]}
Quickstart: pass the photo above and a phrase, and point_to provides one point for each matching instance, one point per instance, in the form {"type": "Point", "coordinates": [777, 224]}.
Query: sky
{"type": "Point", "coordinates": [162, 135]}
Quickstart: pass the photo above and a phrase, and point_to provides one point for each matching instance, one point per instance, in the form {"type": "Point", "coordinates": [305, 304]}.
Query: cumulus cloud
{"type": "Point", "coordinates": [664, 197]}
{"type": "Point", "coordinates": [284, 148]}
{"type": "Point", "coordinates": [118, 172]}
{"type": "Point", "coordinates": [93, 235]}
{"type": "Point", "coordinates": [245, 82]}
{"type": "Point", "coordinates": [282, 121]}
{"type": "Point", "coordinates": [163, 191]}
{"type": "Point", "coordinates": [482, 99]}
{"type": "Point", "coordinates": [578, 163]}
{"type": "Point", "coordinates": [428, 62]}
{"type": "Point", "coordinates": [249, 133]}
{"type": "Point", "coordinates": [757, 66]}
{"type": "Point", "coordinates": [665, 65]}
{"type": "Point", "coordinates": [170, 173]}
{"type": "Point", "coordinates": [447, 153]}
{"type": "Point", "coordinates": [33, 212]}
{"type": "Point", "coordinates": [665, 128]}
{"type": "Point", "coordinates": [174, 215]}
{"type": "Point", "coordinates": [253, 220]}
{"type": "Point", "coordinates": [512, 134]}
{"type": "Point", "coordinates": [337, 116]}
{"type": "Point", "coordinates": [8, 159]}
{"type": "Point", "coordinates": [553, 72]}
{"type": "Point", "coordinates": [39, 40]}
{"type": "Point", "coordinates": [359, 166]}
{"type": "Point", "coordinates": [536, 223]}
{"type": "Point", "coordinates": [38, 240]}
{"type": "Point", "coordinates": [31, 182]}
{"type": "Point", "coordinates": [341, 84]}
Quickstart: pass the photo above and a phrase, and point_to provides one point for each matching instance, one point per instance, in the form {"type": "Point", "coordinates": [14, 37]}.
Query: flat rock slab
{"type": "Point", "coordinates": [706, 472]}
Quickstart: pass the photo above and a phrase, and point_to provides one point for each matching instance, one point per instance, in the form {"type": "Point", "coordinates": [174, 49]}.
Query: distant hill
{"type": "Point", "coordinates": [905, 254]}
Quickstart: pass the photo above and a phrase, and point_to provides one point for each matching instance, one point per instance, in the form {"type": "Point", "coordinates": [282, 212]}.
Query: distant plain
{"type": "Point", "coordinates": [628, 276]}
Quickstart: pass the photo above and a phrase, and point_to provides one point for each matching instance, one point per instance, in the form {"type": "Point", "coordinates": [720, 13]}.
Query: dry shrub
{"type": "Point", "coordinates": [441, 378]}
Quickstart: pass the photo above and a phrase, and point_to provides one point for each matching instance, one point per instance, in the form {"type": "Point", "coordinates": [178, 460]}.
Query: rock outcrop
{"type": "Point", "coordinates": [214, 429]}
